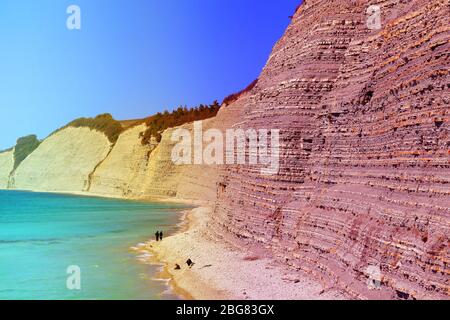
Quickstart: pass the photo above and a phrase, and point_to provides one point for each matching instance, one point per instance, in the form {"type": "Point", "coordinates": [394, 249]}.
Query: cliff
{"type": "Point", "coordinates": [83, 160]}
{"type": "Point", "coordinates": [122, 173]}
{"type": "Point", "coordinates": [62, 162]}
{"type": "Point", "coordinates": [134, 170]}
{"type": "Point", "coordinates": [365, 163]}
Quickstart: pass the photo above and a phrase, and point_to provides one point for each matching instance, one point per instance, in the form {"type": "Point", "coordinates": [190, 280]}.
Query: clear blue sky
{"type": "Point", "coordinates": [131, 58]}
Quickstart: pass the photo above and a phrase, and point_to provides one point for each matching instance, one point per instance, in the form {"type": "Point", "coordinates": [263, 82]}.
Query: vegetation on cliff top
{"type": "Point", "coordinates": [24, 147]}
{"type": "Point", "coordinates": [104, 123]}
{"type": "Point", "coordinates": [158, 123]}
{"type": "Point", "coordinates": [6, 150]}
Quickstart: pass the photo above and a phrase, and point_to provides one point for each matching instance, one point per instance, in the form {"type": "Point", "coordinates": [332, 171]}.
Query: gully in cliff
{"type": "Point", "coordinates": [236, 152]}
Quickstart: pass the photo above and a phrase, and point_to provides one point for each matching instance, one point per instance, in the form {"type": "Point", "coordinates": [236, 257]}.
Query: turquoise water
{"type": "Point", "coordinates": [41, 235]}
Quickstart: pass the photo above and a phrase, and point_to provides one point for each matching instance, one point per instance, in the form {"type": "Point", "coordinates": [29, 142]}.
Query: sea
{"type": "Point", "coordinates": [66, 247]}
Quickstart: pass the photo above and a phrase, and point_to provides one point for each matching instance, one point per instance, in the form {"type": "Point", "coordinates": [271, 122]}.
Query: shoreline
{"type": "Point", "coordinates": [224, 272]}
{"type": "Point", "coordinates": [180, 283]}
{"type": "Point", "coordinates": [180, 226]}
{"type": "Point", "coordinates": [221, 270]}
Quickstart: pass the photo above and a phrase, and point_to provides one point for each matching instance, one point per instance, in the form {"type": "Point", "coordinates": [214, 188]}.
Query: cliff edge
{"type": "Point", "coordinates": [363, 193]}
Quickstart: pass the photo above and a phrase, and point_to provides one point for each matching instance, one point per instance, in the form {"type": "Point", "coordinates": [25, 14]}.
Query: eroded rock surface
{"type": "Point", "coordinates": [63, 162]}
{"type": "Point", "coordinates": [364, 182]}
{"type": "Point", "coordinates": [363, 191]}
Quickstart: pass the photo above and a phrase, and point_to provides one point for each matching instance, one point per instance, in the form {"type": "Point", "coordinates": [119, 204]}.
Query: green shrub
{"type": "Point", "coordinates": [24, 147]}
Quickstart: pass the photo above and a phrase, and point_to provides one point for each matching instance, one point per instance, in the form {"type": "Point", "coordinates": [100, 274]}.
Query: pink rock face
{"type": "Point", "coordinates": [364, 182]}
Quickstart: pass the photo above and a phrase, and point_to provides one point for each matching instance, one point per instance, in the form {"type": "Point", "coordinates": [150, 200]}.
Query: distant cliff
{"type": "Point", "coordinates": [6, 167]}
{"type": "Point", "coordinates": [62, 162]}
{"type": "Point", "coordinates": [83, 159]}
{"type": "Point", "coordinates": [134, 170]}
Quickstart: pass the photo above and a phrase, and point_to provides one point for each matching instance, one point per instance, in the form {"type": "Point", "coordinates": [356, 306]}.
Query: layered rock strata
{"type": "Point", "coordinates": [364, 186]}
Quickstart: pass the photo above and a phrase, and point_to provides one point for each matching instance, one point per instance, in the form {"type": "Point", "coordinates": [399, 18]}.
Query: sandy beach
{"type": "Point", "coordinates": [222, 271]}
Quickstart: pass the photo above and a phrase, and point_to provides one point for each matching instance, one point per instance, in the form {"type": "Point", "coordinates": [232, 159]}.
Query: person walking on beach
{"type": "Point", "coordinates": [160, 236]}
{"type": "Point", "coordinates": [157, 236]}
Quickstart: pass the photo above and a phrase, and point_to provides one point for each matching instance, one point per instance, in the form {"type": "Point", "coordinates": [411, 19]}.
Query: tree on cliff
{"type": "Point", "coordinates": [162, 121]}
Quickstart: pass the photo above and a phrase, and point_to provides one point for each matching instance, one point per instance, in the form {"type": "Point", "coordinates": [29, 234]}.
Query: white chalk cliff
{"type": "Point", "coordinates": [6, 166]}
{"type": "Point", "coordinates": [63, 162]}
